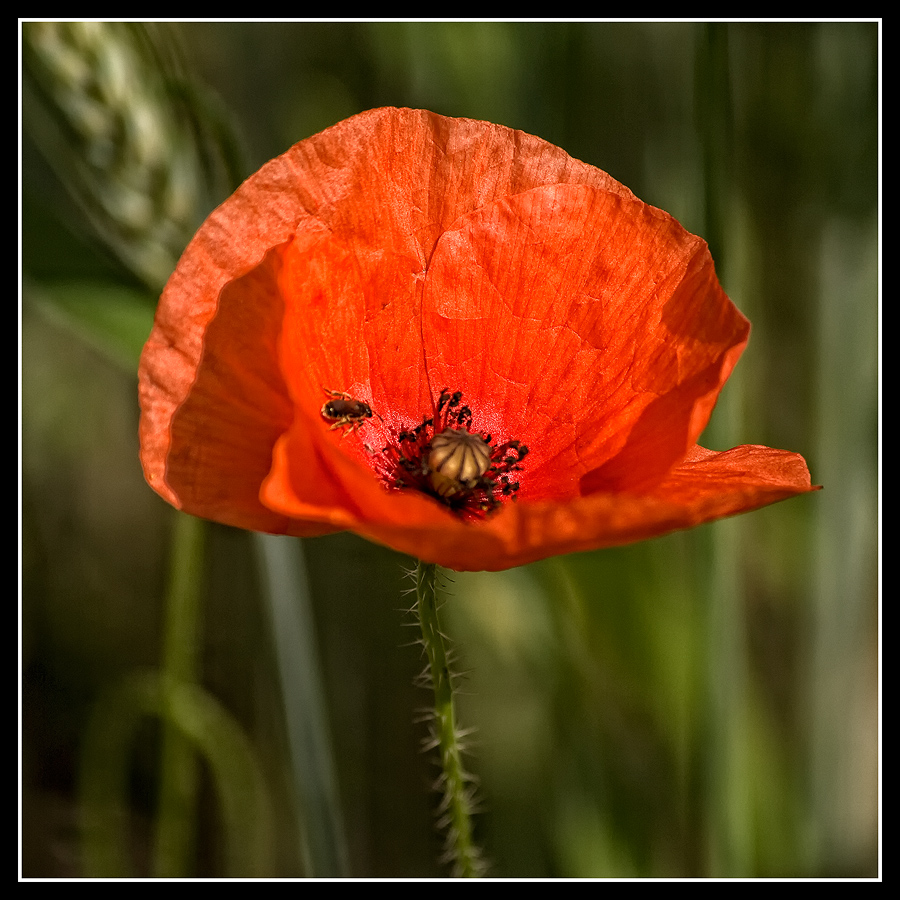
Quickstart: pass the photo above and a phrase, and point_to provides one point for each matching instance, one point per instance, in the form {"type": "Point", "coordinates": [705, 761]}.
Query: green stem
{"type": "Point", "coordinates": [179, 773]}
{"type": "Point", "coordinates": [456, 805]}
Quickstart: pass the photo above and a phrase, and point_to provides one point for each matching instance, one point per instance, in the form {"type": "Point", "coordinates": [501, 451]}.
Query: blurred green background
{"type": "Point", "coordinates": [702, 705]}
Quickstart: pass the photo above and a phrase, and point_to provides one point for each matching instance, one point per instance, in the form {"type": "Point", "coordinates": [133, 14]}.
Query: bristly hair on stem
{"type": "Point", "coordinates": [455, 784]}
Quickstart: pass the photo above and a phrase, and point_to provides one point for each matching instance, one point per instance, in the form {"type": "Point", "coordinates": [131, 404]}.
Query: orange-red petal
{"type": "Point", "coordinates": [588, 325]}
{"type": "Point", "coordinates": [705, 487]}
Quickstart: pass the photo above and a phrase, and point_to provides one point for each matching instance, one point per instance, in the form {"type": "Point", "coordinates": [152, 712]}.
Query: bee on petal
{"type": "Point", "coordinates": [344, 411]}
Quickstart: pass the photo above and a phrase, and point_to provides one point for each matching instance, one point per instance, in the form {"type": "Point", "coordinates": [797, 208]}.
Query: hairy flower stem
{"type": "Point", "coordinates": [457, 801]}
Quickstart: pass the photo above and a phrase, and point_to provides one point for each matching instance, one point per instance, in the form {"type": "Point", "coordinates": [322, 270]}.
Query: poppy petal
{"type": "Point", "coordinates": [705, 487]}
{"type": "Point", "coordinates": [212, 396]}
{"type": "Point", "coordinates": [594, 330]}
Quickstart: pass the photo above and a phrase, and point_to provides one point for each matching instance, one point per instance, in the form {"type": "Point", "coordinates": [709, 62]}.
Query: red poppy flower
{"type": "Point", "coordinates": [453, 339]}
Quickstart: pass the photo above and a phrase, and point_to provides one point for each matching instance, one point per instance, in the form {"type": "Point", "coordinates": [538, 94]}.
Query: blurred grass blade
{"type": "Point", "coordinates": [239, 784]}
{"type": "Point", "coordinates": [178, 783]}
{"type": "Point", "coordinates": [843, 669]}
{"type": "Point", "coordinates": [113, 319]}
{"type": "Point", "coordinates": [727, 766]}
{"type": "Point", "coordinates": [104, 775]}
{"type": "Point", "coordinates": [293, 632]}
{"type": "Point", "coordinates": [212, 731]}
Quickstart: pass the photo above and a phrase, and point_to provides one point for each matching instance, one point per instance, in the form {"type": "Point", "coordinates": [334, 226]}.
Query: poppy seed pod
{"type": "Point", "coordinates": [438, 278]}
{"type": "Point", "coordinates": [457, 459]}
